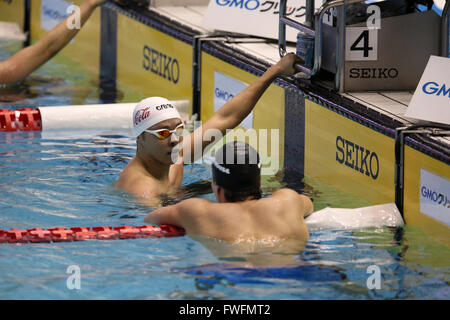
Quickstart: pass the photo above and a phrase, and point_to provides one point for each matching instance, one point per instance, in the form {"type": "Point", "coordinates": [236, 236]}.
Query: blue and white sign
{"type": "Point", "coordinates": [254, 17]}
{"type": "Point", "coordinates": [53, 12]}
{"type": "Point", "coordinates": [225, 88]}
{"type": "Point", "coordinates": [435, 196]}
{"type": "Point", "coordinates": [431, 100]}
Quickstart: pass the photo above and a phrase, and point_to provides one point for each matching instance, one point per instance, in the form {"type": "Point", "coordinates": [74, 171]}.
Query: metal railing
{"type": "Point", "coordinates": [315, 30]}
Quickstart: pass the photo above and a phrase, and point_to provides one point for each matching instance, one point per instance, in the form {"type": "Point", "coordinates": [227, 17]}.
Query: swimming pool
{"type": "Point", "coordinates": [51, 182]}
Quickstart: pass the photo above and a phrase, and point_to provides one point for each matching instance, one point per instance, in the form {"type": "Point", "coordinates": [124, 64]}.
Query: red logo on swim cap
{"type": "Point", "coordinates": [141, 115]}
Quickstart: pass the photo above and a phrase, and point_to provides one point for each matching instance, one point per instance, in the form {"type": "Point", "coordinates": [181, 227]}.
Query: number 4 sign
{"type": "Point", "coordinates": [361, 43]}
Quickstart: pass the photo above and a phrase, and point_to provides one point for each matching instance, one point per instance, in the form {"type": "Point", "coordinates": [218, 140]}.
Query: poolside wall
{"type": "Point", "coordinates": [13, 11]}
{"type": "Point", "coordinates": [152, 62]}
{"type": "Point", "coordinates": [321, 138]}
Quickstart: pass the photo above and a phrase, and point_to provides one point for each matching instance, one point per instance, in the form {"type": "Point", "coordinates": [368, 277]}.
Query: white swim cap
{"type": "Point", "coordinates": [151, 111]}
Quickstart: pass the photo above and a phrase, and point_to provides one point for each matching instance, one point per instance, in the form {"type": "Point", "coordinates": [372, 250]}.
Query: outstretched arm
{"type": "Point", "coordinates": [234, 111]}
{"type": "Point", "coordinates": [165, 215]}
{"type": "Point", "coordinates": [186, 214]}
{"type": "Point", "coordinates": [29, 59]}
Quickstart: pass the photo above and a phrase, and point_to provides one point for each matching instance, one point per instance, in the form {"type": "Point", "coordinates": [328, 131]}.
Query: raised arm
{"type": "Point", "coordinates": [29, 59]}
{"type": "Point", "coordinates": [234, 111]}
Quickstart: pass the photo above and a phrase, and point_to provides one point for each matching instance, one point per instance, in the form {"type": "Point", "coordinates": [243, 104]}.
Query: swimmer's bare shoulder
{"type": "Point", "coordinates": [281, 215]}
{"type": "Point", "coordinates": [135, 180]}
{"type": "Point", "coordinates": [291, 199]}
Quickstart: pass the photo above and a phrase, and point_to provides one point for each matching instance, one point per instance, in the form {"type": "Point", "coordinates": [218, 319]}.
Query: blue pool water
{"type": "Point", "coordinates": [51, 182]}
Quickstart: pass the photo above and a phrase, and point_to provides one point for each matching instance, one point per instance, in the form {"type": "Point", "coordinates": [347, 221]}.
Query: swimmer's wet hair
{"type": "Point", "coordinates": [237, 168]}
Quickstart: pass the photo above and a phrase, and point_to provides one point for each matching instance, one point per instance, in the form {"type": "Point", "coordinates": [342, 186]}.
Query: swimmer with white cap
{"type": "Point", "coordinates": [241, 214]}
{"type": "Point", "coordinates": [157, 126]}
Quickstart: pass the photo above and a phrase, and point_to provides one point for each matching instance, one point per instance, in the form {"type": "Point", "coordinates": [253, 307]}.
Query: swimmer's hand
{"type": "Point", "coordinates": [286, 65]}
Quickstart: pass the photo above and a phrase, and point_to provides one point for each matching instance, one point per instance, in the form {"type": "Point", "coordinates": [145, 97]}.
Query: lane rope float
{"type": "Point", "coordinates": [25, 119]}
{"type": "Point", "coordinates": [116, 116]}
{"type": "Point", "coordinates": [39, 235]}
{"type": "Point", "coordinates": [82, 117]}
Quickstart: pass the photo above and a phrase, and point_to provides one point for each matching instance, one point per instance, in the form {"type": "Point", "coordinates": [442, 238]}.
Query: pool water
{"type": "Point", "coordinates": [51, 181]}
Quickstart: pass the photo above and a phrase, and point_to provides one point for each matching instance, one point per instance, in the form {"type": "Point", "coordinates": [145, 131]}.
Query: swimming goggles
{"type": "Point", "coordinates": [162, 134]}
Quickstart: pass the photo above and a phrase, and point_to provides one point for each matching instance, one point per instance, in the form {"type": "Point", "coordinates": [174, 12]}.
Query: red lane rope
{"type": "Point", "coordinates": [28, 119]}
{"type": "Point", "coordinates": [25, 119]}
{"type": "Point", "coordinates": [37, 235]}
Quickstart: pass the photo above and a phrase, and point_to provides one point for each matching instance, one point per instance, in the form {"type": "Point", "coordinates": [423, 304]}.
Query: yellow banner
{"type": "Point", "coordinates": [423, 175]}
{"type": "Point", "coordinates": [12, 11]}
{"type": "Point", "coordinates": [348, 156]}
{"type": "Point", "coordinates": [151, 62]}
{"type": "Point", "coordinates": [267, 118]}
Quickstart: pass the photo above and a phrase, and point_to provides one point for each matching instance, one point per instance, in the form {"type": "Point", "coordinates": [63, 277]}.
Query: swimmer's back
{"type": "Point", "coordinates": [280, 216]}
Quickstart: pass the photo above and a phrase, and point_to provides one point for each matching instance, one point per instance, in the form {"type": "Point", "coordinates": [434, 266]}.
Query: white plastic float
{"type": "Point", "coordinates": [346, 219]}
{"type": "Point", "coordinates": [78, 120]}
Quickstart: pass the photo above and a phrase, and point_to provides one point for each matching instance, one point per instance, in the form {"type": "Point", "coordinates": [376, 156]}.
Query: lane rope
{"type": "Point", "coordinates": [59, 234]}
{"type": "Point", "coordinates": [25, 119]}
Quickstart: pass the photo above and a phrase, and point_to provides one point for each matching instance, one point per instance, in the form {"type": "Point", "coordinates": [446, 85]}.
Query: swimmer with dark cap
{"type": "Point", "coordinates": [241, 213]}
{"type": "Point", "coordinates": [158, 129]}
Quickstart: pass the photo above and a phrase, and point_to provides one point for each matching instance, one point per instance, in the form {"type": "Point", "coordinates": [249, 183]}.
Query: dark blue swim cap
{"type": "Point", "coordinates": [236, 166]}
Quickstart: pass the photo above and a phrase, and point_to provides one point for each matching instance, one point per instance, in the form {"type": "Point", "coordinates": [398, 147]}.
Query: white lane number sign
{"type": "Point", "coordinates": [361, 43]}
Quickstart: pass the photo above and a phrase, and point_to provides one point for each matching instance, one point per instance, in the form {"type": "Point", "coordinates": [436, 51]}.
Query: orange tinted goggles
{"type": "Point", "coordinates": [162, 134]}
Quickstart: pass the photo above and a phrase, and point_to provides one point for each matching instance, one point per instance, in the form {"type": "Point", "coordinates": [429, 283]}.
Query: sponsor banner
{"type": "Point", "coordinates": [357, 157]}
{"type": "Point", "coordinates": [265, 128]}
{"type": "Point", "coordinates": [225, 88]}
{"type": "Point", "coordinates": [152, 63]}
{"type": "Point", "coordinates": [53, 12]}
{"type": "Point", "coordinates": [425, 175]}
{"type": "Point", "coordinates": [348, 156]}
{"type": "Point", "coordinates": [254, 17]}
{"type": "Point", "coordinates": [161, 64]}
{"type": "Point", "coordinates": [435, 196]}
{"type": "Point", "coordinates": [431, 100]}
